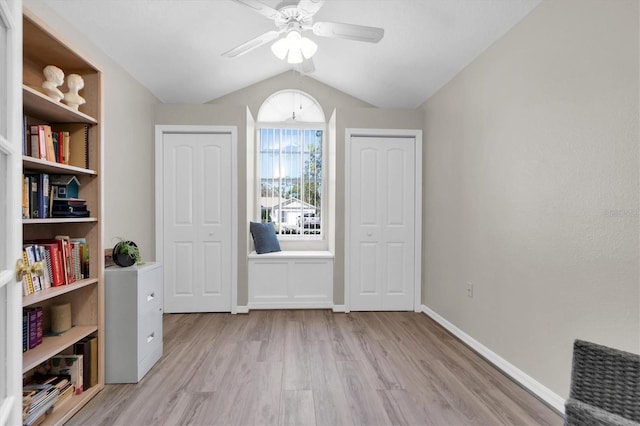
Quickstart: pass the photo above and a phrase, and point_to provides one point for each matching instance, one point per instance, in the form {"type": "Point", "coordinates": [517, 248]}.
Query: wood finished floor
{"type": "Point", "coordinates": [315, 367]}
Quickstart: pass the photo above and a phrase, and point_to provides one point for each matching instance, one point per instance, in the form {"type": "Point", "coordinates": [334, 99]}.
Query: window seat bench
{"type": "Point", "coordinates": [291, 280]}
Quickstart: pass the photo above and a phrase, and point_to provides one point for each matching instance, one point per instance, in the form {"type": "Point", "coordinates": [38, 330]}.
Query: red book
{"type": "Point", "coordinates": [57, 278]}
{"type": "Point", "coordinates": [67, 260]}
{"type": "Point", "coordinates": [60, 146]}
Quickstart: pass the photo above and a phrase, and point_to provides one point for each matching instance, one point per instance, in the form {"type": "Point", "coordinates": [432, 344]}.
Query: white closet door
{"type": "Point", "coordinates": [10, 211]}
{"type": "Point", "coordinates": [382, 223]}
{"type": "Point", "coordinates": [197, 215]}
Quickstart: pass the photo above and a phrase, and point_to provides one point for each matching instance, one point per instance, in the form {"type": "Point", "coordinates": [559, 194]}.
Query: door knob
{"type": "Point", "coordinates": [22, 269]}
{"type": "Point", "coordinates": [369, 234]}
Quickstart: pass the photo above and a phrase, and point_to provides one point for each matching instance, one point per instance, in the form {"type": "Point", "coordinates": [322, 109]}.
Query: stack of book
{"type": "Point", "coordinates": [69, 207]}
{"type": "Point", "coordinates": [42, 394]}
{"type": "Point", "coordinates": [64, 260]}
{"type": "Point", "coordinates": [57, 143]}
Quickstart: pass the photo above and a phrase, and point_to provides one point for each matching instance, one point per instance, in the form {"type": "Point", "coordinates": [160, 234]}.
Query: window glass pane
{"type": "Point", "coordinates": [3, 79]}
{"type": "Point", "coordinates": [291, 180]}
{"type": "Point", "coordinates": [3, 342]}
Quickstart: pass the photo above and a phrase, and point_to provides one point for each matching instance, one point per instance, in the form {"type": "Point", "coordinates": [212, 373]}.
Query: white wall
{"type": "Point", "coordinates": [531, 189]}
{"type": "Point", "coordinates": [128, 157]}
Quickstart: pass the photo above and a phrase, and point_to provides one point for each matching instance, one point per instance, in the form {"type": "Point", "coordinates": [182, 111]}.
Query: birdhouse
{"type": "Point", "coordinates": [65, 186]}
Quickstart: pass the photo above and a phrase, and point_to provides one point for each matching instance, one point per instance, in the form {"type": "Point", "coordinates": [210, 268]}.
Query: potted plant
{"type": "Point", "coordinates": [126, 253]}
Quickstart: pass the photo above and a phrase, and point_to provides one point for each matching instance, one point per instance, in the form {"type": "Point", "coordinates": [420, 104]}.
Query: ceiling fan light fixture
{"type": "Point", "coordinates": [294, 47]}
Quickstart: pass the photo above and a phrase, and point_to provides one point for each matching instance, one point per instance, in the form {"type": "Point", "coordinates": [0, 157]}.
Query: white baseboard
{"type": "Point", "coordinates": [528, 382]}
{"type": "Point", "coordinates": [242, 310]}
{"type": "Point", "coordinates": [339, 308]}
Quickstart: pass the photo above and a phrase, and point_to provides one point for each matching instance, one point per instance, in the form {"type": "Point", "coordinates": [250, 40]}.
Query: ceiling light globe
{"type": "Point", "coordinates": [295, 56]}
{"type": "Point", "coordinates": [308, 47]}
{"type": "Point", "coordinates": [280, 48]}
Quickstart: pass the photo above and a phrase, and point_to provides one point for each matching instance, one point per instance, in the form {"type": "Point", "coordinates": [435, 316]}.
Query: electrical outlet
{"type": "Point", "coordinates": [469, 289]}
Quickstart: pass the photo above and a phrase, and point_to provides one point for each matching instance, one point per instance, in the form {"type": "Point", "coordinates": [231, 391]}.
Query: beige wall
{"type": "Point", "coordinates": [128, 156]}
{"type": "Point", "coordinates": [253, 96]}
{"type": "Point", "coordinates": [531, 189]}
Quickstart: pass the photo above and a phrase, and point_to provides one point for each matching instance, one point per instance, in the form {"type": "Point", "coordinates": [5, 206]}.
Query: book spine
{"type": "Point", "coordinates": [39, 324]}
{"type": "Point", "coordinates": [38, 142]}
{"type": "Point", "coordinates": [35, 145]}
{"type": "Point", "coordinates": [33, 196]}
{"type": "Point", "coordinates": [67, 147]}
{"type": "Point", "coordinates": [85, 260]}
{"type": "Point", "coordinates": [46, 259]}
{"type": "Point", "coordinates": [75, 250]}
{"type": "Point", "coordinates": [43, 195]}
{"type": "Point", "coordinates": [25, 136]}
{"type": "Point", "coordinates": [83, 348]}
{"type": "Point", "coordinates": [56, 265]}
{"type": "Point", "coordinates": [27, 283]}
{"type": "Point", "coordinates": [54, 138]}
{"type": "Point", "coordinates": [49, 150]}
{"type": "Point", "coordinates": [60, 147]}
{"type": "Point", "coordinates": [31, 256]}
{"type": "Point", "coordinates": [67, 263]}
{"type": "Point", "coordinates": [25, 331]}
{"type": "Point", "coordinates": [25, 197]}
{"type": "Point", "coordinates": [33, 328]}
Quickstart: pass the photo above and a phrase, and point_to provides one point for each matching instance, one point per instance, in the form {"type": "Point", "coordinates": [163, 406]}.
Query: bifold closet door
{"type": "Point", "coordinates": [197, 218]}
{"type": "Point", "coordinates": [382, 228]}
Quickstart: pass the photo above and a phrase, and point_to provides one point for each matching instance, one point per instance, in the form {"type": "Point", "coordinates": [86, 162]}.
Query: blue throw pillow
{"type": "Point", "coordinates": [264, 237]}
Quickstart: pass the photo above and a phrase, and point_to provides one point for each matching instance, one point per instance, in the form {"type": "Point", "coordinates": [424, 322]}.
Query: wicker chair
{"type": "Point", "coordinates": [605, 387]}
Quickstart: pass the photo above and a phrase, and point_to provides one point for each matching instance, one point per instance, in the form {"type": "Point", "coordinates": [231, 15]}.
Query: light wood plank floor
{"type": "Point", "coordinates": [314, 367]}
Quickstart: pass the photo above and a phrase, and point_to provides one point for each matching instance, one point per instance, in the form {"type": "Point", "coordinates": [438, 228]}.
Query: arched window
{"type": "Point", "coordinates": [290, 106]}
{"type": "Point", "coordinates": [290, 147]}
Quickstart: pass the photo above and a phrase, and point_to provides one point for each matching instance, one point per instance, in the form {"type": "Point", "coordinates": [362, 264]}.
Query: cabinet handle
{"type": "Point", "coordinates": [150, 297]}
{"type": "Point", "coordinates": [150, 337]}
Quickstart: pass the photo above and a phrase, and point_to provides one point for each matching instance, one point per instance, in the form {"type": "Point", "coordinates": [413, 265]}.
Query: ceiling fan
{"type": "Point", "coordinates": [292, 20]}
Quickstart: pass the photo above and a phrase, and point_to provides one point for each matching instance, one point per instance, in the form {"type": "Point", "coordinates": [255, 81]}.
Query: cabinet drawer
{"type": "Point", "coordinates": [150, 293]}
{"type": "Point", "coordinates": [149, 333]}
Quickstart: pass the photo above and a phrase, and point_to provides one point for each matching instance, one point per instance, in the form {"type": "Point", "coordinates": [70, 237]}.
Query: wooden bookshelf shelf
{"type": "Point", "coordinates": [38, 105]}
{"type": "Point", "coordinates": [53, 345]}
{"type": "Point", "coordinates": [52, 292]}
{"type": "Point", "coordinates": [59, 220]}
{"type": "Point", "coordinates": [30, 163]}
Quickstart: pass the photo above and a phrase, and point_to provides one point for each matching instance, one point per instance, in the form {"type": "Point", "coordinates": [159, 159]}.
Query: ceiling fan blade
{"type": "Point", "coordinates": [252, 44]}
{"type": "Point", "coordinates": [261, 8]}
{"type": "Point", "coordinates": [348, 31]}
{"type": "Point", "coordinates": [309, 7]}
{"type": "Point", "coordinates": [306, 67]}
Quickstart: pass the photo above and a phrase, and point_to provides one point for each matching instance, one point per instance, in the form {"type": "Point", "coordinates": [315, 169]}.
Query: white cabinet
{"type": "Point", "coordinates": [133, 321]}
{"type": "Point", "coordinates": [291, 279]}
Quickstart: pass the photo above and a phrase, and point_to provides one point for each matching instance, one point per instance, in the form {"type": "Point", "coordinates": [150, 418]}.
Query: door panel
{"type": "Point", "coordinates": [381, 223]}
{"type": "Point", "coordinates": [197, 221]}
{"type": "Point", "coordinates": [10, 211]}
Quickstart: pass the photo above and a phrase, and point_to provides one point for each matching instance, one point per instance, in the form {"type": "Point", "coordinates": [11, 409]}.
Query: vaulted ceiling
{"type": "Point", "coordinates": [174, 47]}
